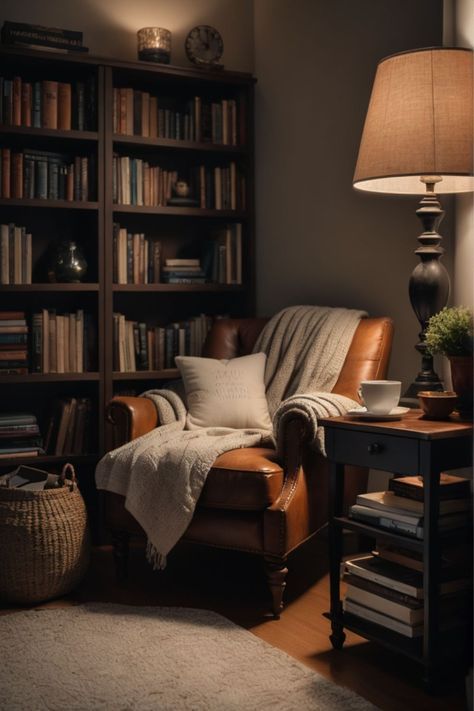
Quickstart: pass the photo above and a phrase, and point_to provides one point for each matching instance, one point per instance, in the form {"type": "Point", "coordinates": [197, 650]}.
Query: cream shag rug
{"type": "Point", "coordinates": [119, 658]}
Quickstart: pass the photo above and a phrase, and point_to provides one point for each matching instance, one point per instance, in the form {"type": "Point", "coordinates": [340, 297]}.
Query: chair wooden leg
{"type": "Point", "coordinates": [276, 572]}
{"type": "Point", "coordinates": [120, 542]}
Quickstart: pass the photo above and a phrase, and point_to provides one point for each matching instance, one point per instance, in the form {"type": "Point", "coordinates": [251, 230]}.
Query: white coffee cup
{"type": "Point", "coordinates": [380, 396]}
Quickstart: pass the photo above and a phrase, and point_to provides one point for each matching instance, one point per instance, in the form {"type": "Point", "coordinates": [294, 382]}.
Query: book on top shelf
{"type": "Point", "coordinates": [451, 487]}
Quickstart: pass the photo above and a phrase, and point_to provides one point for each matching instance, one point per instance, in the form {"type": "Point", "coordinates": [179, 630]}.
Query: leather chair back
{"type": "Point", "coordinates": [367, 358]}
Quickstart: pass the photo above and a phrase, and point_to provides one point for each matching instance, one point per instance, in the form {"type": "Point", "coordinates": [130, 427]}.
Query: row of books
{"type": "Point", "coordinates": [386, 587]}
{"type": "Point", "coordinates": [137, 182]}
{"type": "Point", "coordinates": [15, 254]}
{"type": "Point", "coordinates": [20, 435]}
{"type": "Point", "coordinates": [25, 34]}
{"type": "Point", "coordinates": [137, 260]}
{"type": "Point", "coordinates": [222, 255]}
{"type": "Point", "coordinates": [139, 113]}
{"type": "Point", "coordinates": [62, 343]}
{"type": "Point", "coordinates": [141, 346]}
{"type": "Point", "coordinates": [404, 514]}
{"type": "Point", "coordinates": [44, 175]}
{"type": "Point", "coordinates": [48, 104]}
{"type": "Point", "coordinates": [13, 343]}
{"type": "Point", "coordinates": [68, 427]}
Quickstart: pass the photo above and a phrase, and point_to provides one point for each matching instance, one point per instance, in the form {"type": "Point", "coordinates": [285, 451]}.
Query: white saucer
{"type": "Point", "coordinates": [364, 414]}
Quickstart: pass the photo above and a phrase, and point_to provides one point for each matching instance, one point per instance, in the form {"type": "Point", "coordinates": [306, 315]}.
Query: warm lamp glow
{"type": "Point", "coordinates": [154, 44]}
{"type": "Point", "coordinates": [419, 123]}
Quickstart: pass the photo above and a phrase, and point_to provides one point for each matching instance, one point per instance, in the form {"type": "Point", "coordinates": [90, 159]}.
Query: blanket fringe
{"type": "Point", "coordinates": [156, 559]}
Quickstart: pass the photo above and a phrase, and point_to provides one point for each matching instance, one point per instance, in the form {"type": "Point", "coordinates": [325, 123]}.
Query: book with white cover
{"type": "Point", "coordinates": [403, 613]}
{"type": "Point", "coordinates": [388, 501]}
{"type": "Point", "coordinates": [398, 577]}
{"type": "Point", "coordinates": [384, 620]}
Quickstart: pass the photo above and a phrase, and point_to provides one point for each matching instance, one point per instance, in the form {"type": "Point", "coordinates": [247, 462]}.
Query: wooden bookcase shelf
{"type": "Point", "coordinates": [182, 231]}
{"type": "Point", "coordinates": [166, 374]}
{"type": "Point", "coordinates": [82, 286]}
{"type": "Point", "coordinates": [177, 145]}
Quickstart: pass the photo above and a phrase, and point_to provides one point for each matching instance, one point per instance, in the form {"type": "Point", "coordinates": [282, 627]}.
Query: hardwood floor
{"type": "Point", "coordinates": [233, 585]}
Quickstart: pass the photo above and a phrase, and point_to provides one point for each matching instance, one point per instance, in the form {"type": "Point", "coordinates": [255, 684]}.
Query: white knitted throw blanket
{"type": "Point", "coordinates": [162, 473]}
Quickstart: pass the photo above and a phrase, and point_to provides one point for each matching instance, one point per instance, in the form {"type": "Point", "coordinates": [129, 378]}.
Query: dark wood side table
{"type": "Point", "coordinates": [411, 446]}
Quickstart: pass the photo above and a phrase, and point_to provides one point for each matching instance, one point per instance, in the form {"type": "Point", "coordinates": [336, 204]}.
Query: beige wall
{"type": "Point", "coordinates": [110, 26]}
{"type": "Point", "coordinates": [319, 241]}
{"type": "Point", "coordinates": [464, 232]}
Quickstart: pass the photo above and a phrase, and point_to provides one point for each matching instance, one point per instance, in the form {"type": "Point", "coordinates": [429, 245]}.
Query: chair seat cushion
{"type": "Point", "coordinates": [248, 479]}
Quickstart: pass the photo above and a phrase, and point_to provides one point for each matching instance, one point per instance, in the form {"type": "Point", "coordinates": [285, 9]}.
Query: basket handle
{"type": "Point", "coordinates": [68, 467]}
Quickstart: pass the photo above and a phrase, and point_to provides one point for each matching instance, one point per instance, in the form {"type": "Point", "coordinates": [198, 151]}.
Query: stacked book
{"type": "Point", "coordinates": [183, 271]}
{"type": "Point", "coordinates": [401, 508]}
{"type": "Point", "coordinates": [19, 435]}
{"type": "Point", "coordinates": [44, 175]}
{"type": "Point", "coordinates": [68, 426]}
{"type": "Point", "coordinates": [140, 346]}
{"type": "Point", "coordinates": [391, 595]}
{"type": "Point", "coordinates": [24, 34]}
{"type": "Point", "coordinates": [137, 260]}
{"type": "Point", "coordinates": [140, 113]}
{"type": "Point", "coordinates": [386, 587]}
{"type": "Point", "coordinates": [48, 104]}
{"type": "Point", "coordinates": [15, 255]}
{"type": "Point", "coordinates": [222, 255]}
{"type": "Point", "coordinates": [62, 343]}
{"type": "Point", "coordinates": [13, 343]}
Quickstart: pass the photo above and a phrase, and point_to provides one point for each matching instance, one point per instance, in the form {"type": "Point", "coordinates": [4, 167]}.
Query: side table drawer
{"type": "Point", "coordinates": [377, 451]}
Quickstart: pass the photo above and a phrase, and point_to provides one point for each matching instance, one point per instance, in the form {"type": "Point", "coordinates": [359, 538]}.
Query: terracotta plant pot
{"type": "Point", "coordinates": [461, 374]}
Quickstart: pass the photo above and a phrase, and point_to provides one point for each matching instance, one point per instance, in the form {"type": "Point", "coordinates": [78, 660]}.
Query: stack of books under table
{"type": "Point", "coordinates": [386, 586]}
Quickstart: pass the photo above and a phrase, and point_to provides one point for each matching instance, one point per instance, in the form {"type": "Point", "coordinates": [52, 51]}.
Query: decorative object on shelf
{"type": "Point", "coordinates": [154, 45]}
{"type": "Point", "coordinates": [204, 46]}
{"type": "Point", "coordinates": [450, 333]}
{"type": "Point", "coordinates": [68, 265]}
{"type": "Point", "coordinates": [436, 404]}
{"type": "Point", "coordinates": [418, 137]}
{"type": "Point", "coordinates": [182, 195]}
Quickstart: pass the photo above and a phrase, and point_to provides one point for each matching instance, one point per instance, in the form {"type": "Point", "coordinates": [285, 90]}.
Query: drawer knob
{"type": "Point", "coordinates": [375, 448]}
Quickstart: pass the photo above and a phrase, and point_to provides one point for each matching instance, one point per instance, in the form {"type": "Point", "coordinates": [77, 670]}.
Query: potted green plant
{"type": "Point", "coordinates": [450, 333]}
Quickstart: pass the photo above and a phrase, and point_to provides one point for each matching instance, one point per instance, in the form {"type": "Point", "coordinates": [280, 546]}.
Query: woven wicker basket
{"type": "Point", "coordinates": [44, 541]}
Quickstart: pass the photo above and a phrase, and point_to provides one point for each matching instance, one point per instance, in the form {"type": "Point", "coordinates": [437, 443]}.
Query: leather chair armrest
{"type": "Point", "coordinates": [130, 418]}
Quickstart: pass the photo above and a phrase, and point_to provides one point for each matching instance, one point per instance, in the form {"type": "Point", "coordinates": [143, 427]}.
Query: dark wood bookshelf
{"type": "Point", "coordinates": [177, 144]}
{"type": "Point", "coordinates": [181, 211]}
{"type": "Point", "coordinates": [35, 287]}
{"type": "Point", "coordinates": [53, 133]}
{"type": "Point", "coordinates": [90, 224]}
{"type": "Point", "coordinates": [179, 287]}
{"type": "Point", "coordinates": [45, 460]}
{"type": "Point", "coordinates": [31, 378]}
{"type": "Point", "coordinates": [49, 204]}
{"type": "Point", "coordinates": [167, 374]}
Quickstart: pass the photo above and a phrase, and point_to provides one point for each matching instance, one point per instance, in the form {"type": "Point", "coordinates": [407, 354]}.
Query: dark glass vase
{"type": "Point", "coordinates": [68, 264]}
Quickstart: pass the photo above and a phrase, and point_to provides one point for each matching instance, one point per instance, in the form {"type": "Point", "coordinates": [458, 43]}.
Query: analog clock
{"type": "Point", "coordinates": [204, 46]}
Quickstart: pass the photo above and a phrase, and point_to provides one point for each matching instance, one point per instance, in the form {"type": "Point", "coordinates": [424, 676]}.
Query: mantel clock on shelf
{"type": "Point", "coordinates": [204, 47]}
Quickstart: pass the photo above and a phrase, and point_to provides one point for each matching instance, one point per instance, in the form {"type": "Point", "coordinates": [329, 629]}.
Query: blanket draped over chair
{"type": "Point", "coordinates": [162, 473]}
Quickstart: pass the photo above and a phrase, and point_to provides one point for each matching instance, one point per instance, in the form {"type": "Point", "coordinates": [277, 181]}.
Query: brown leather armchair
{"type": "Point", "coordinates": [251, 501]}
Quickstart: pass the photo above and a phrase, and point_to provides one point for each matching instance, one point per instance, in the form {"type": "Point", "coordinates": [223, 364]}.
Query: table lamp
{"type": "Point", "coordinates": [418, 139]}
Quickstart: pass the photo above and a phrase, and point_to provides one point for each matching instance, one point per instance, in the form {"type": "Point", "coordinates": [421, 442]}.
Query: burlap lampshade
{"type": "Point", "coordinates": [419, 123]}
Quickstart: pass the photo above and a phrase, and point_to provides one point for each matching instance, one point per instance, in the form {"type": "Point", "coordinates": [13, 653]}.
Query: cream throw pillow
{"type": "Point", "coordinates": [225, 393]}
